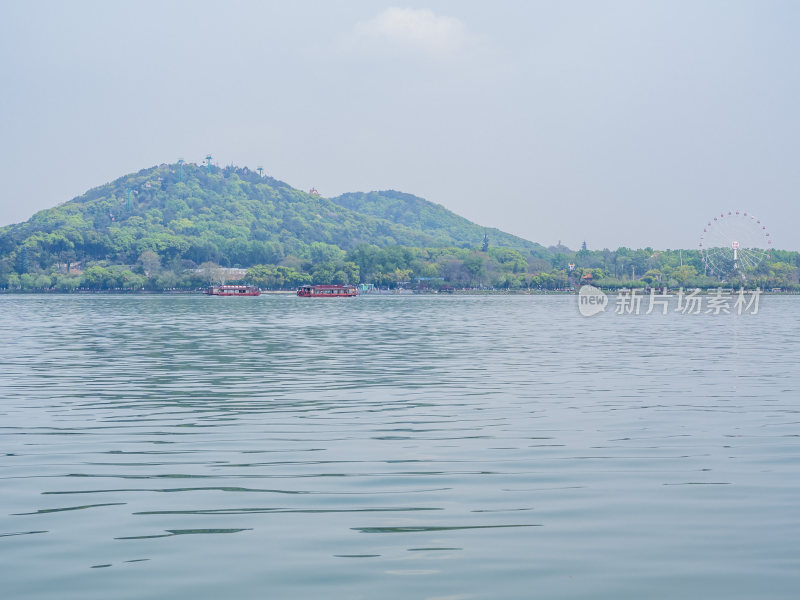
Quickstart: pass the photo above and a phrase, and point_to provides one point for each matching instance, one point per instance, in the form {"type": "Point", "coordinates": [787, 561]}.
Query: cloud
{"type": "Point", "coordinates": [415, 29]}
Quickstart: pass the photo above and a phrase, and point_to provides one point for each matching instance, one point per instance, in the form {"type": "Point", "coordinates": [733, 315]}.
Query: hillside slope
{"type": "Point", "coordinates": [446, 227]}
{"type": "Point", "coordinates": [232, 216]}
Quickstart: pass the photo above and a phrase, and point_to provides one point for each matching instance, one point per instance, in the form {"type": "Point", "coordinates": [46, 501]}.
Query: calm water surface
{"type": "Point", "coordinates": [396, 448]}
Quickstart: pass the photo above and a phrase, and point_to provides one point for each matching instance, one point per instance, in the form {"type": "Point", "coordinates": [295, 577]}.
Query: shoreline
{"type": "Point", "coordinates": [610, 292]}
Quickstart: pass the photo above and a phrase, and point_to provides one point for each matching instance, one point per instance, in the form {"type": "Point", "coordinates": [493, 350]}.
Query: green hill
{"type": "Point", "coordinates": [232, 216]}
{"type": "Point", "coordinates": [445, 227]}
{"type": "Point", "coordinates": [190, 215]}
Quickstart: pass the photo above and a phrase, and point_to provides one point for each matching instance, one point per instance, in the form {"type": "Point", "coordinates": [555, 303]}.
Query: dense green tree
{"type": "Point", "coordinates": [476, 267]}
{"type": "Point", "coordinates": [150, 262]}
{"type": "Point", "coordinates": [324, 253]}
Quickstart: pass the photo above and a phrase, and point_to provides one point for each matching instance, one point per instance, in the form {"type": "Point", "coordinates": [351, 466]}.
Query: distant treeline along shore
{"type": "Point", "coordinates": [185, 226]}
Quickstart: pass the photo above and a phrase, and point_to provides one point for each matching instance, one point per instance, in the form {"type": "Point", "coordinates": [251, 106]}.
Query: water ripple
{"type": "Point", "coordinates": [519, 446]}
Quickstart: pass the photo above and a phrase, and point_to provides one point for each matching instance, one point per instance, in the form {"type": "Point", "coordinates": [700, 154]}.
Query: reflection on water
{"type": "Point", "coordinates": [488, 447]}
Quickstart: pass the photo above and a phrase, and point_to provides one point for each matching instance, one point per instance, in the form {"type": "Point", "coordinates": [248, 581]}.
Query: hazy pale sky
{"type": "Point", "coordinates": [621, 123]}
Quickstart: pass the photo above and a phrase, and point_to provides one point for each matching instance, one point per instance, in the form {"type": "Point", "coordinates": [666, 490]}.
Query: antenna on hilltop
{"type": "Point", "coordinates": [260, 171]}
{"type": "Point", "coordinates": [180, 169]}
{"type": "Point", "coordinates": [208, 165]}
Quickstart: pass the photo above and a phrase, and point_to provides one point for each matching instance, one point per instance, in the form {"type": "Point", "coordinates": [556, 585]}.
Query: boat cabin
{"type": "Point", "coordinates": [327, 291]}
{"type": "Point", "coordinates": [233, 290]}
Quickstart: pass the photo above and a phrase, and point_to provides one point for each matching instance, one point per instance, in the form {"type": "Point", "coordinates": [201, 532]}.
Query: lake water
{"type": "Point", "coordinates": [396, 448]}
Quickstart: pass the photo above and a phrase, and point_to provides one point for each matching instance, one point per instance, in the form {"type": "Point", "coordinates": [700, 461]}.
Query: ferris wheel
{"type": "Point", "coordinates": [734, 244]}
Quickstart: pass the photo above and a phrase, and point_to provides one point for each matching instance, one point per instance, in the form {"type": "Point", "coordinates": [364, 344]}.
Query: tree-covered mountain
{"type": "Point", "coordinates": [444, 226]}
{"type": "Point", "coordinates": [183, 226]}
{"type": "Point", "coordinates": [231, 216]}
